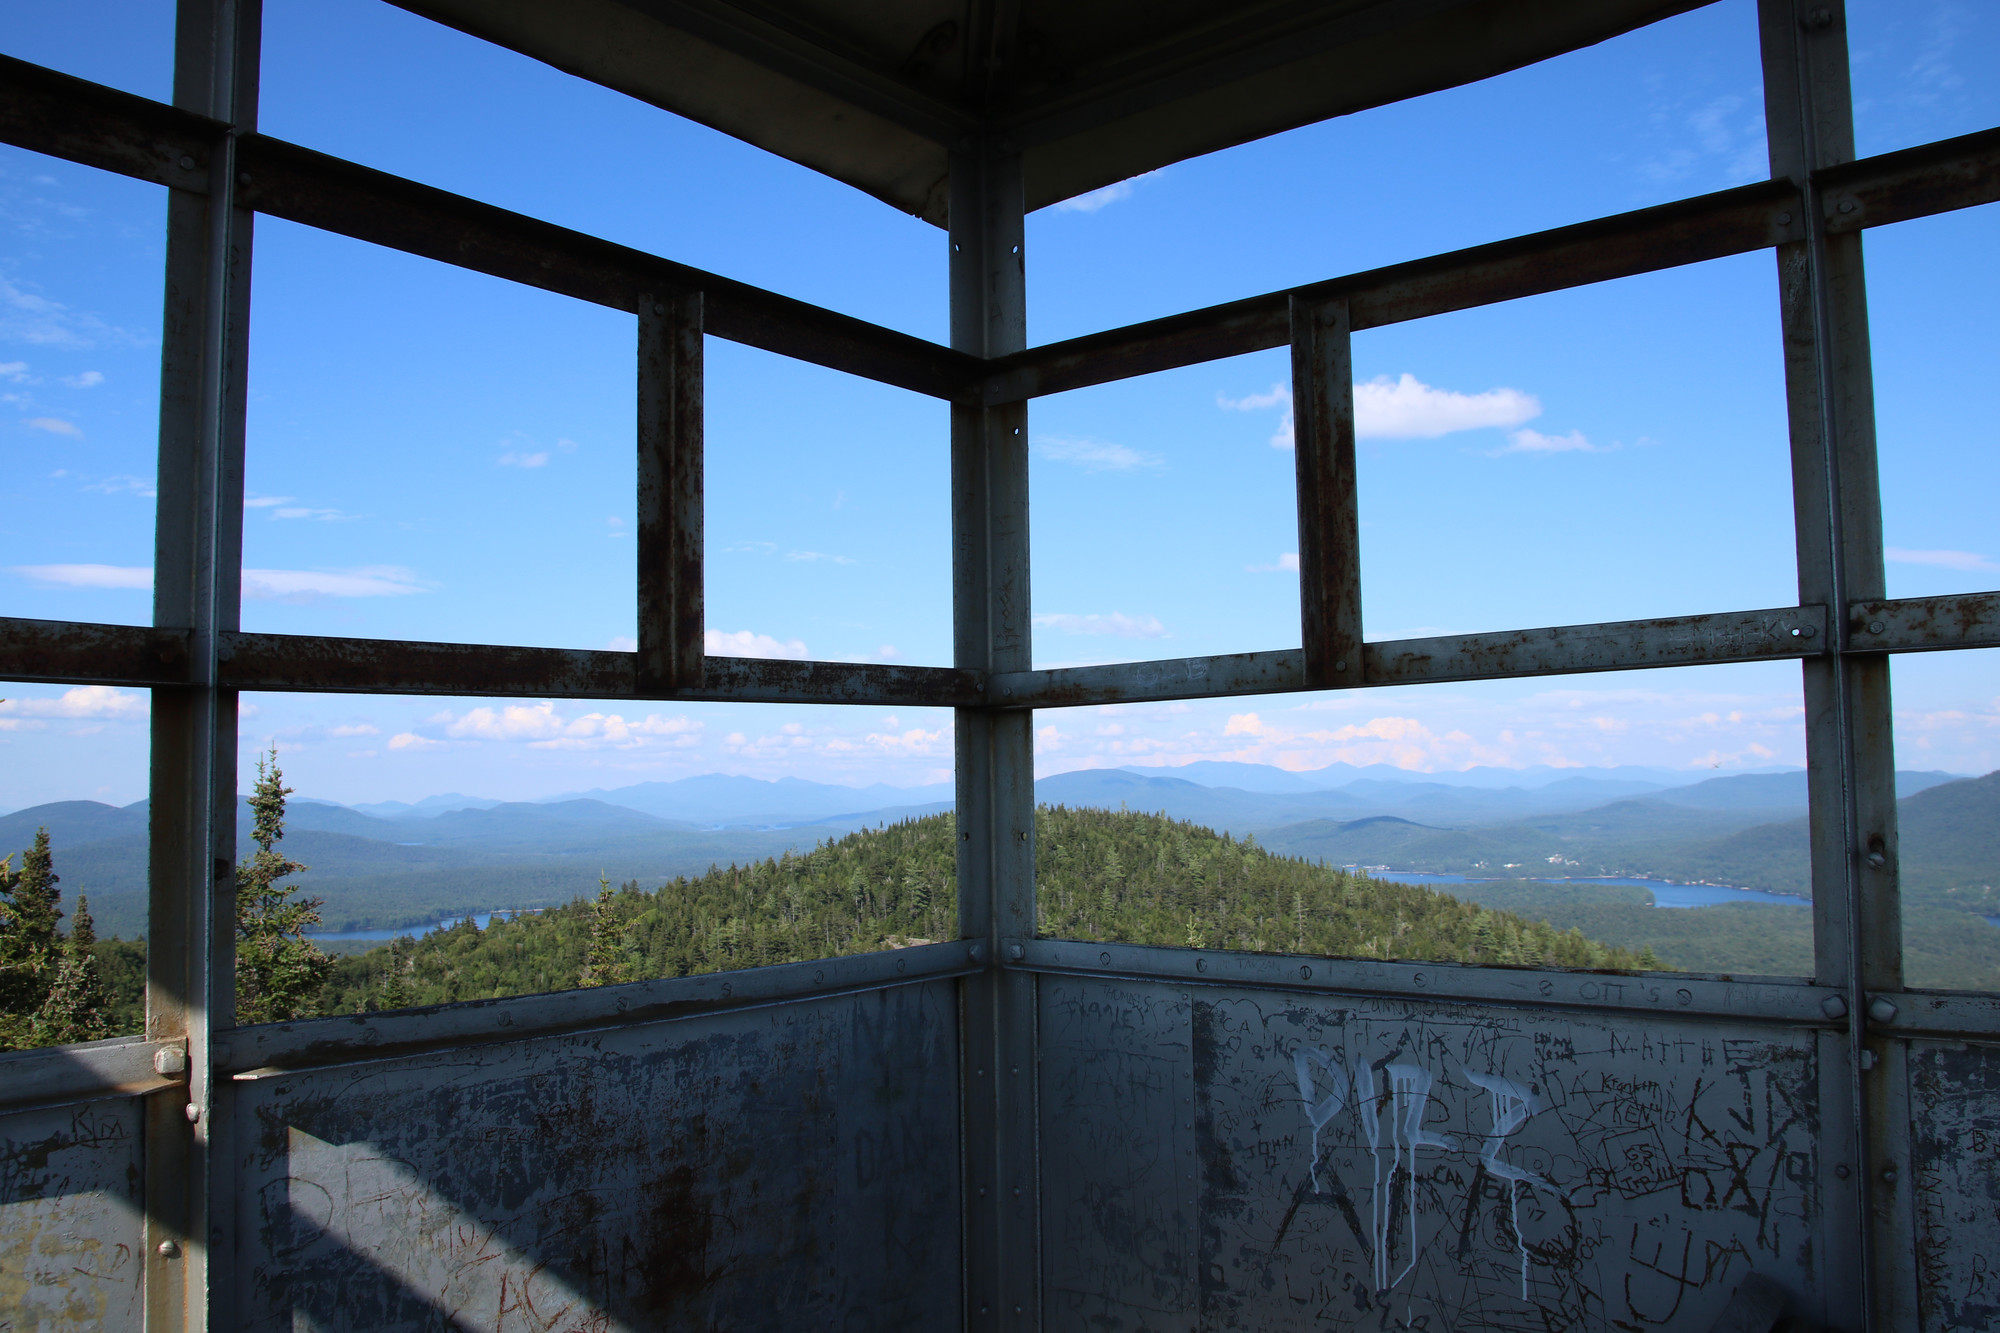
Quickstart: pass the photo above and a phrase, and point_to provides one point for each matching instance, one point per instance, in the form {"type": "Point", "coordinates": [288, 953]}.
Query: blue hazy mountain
{"type": "Point", "coordinates": [724, 800]}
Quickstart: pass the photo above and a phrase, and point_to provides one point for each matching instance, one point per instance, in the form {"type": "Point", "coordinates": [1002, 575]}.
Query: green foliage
{"type": "Point", "coordinates": [279, 972]}
{"type": "Point", "coordinates": [50, 990]}
{"type": "Point", "coordinates": [1103, 876]}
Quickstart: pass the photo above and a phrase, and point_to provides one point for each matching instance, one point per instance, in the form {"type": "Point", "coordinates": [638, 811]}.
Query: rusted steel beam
{"type": "Point", "coordinates": [66, 652]}
{"type": "Point", "coordinates": [1732, 636]}
{"type": "Point", "coordinates": [1965, 1017]}
{"type": "Point", "coordinates": [1916, 182]}
{"type": "Point", "coordinates": [120, 1067]}
{"type": "Point", "coordinates": [1920, 624]}
{"type": "Point", "coordinates": [1685, 232]}
{"type": "Point", "coordinates": [1329, 510]}
{"type": "Point", "coordinates": [338, 196]}
{"type": "Point", "coordinates": [1654, 994]}
{"type": "Point", "coordinates": [273, 1048]}
{"type": "Point", "coordinates": [1911, 183]}
{"type": "Point", "coordinates": [670, 583]}
{"type": "Point", "coordinates": [101, 127]}
{"type": "Point", "coordinates": [297, 662]}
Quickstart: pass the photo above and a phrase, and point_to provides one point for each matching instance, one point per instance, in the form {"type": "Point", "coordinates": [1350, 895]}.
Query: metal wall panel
{"type": "Point", "coordinates": [707, 1173]}
{"type": "Point", "coordinates": [71, 1233]}
{"type": "Point", "coordinates": [1955, 1168]}
{"type": "Point", "coordinates": [1230, 1159]}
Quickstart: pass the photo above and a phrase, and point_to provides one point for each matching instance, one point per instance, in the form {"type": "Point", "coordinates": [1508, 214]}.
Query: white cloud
{"type": "Point", "coordinates": [92, 701]}
{"type": "Point", "coordinates": [356, 729]}
{"type": "Point", "coordinates": [36, 320]}
{"type": "Point", "coordinates": [536, 459]}
{"type": "Point", "coordinates": [748, 643]}
{"type": "Point", "coordinates": [265, 501]}
{"type": "Point", "coordinates": [814, 556]}
{"type": "Point", "coordinates": [1117, 624]}
{"type": "Point", "coordinates": [14, 371]}
{"type": "Point", "coordinates": [322, 515]}
{"type": "Point", "coordinates": [298, 585]}
{"type": "Point", "coordinates": [1534, 442]}
{"type": "Point", "coordinates": [1093, 455]}
{"type": "Point", "coordinates": [545, 728]}
{"type": "Point", "coordinates": [89, 379]}
{"type": "Point", "coordinates": [1109, 194]}
{"type": "Point", "coordinates": [622, 643]}
{"type": "Point", "coordinates": [89, 576]}
{"type": "Point", "coordinates": [138, 486]}
{"type": "Point", "coordinates": [1288, 563]}
{"type": "Point", "coordinates": [54, 426]}
{"type": "Point", "coordinates": [409, 740]}
{"type": "Point", "coordinates": [1967, 561]}
{"type": "Point", "coordinates": [1404, 408]}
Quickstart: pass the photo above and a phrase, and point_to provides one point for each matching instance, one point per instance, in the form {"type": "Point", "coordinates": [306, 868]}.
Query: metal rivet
{"type": "Point", "coordinates": [1105, 958]}
{"type": "Point", "coordinates": [1015, 1070]}
{"type": "Point", "coordinates": [1341, 665]}
{"type": "Point", "coordinates": [1017, 1194]}
{"type": "Point", "coordinates": [1784, 219]}
{"type": "Point", "coordinates": [1888, 1175]}
{"type": "Point", "coordinates": [659, 310]}
{"type": "Point", "coordinates": [1818, 18]}
{"type": "Point", "coordinates": [169, 1249]}
{"type": "Point", "coordinates": [1006, 691]}
{"type": "Point", "coordinates": [1807, 631]}
{"type": "Point", "coordinates": [1017, 951]}
{"type": "Point", "coordinates": [982, 1191]}
{"type": "Point", "coordinates": [1877, 860]}
{"type": "Point", "coordinates": [1833, 1006]}
{"type": "Point", "coordinates": [1305, 974]}
{"type": "Point", "coordinates": [1842, 1171]}
{"type": "Point", "coordinates": [1881, 1010]}
{"type": "Point", "coordinates": [193, 1113]}
{"type": "Point", "coordinates": [187, 163]}
{"type": "Point", "coordinates": [242, 178]}
{"type": "Point", "coordinates": [1201, 965]}
{"type": "Point", "coordinates": [1876, 627]}
{"type": "Point", "coordinates": [1847, 205]}
{"type": "Point", "coordinates": [169, 1061]}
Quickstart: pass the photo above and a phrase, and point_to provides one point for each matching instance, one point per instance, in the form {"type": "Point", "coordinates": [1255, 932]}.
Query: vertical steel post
{"type": "Point", "coordinates": [1868, 1248]}
{"type": "Point", "coordinates": [1329, 508]}
{"type": "Point", "coordinates": [198, 539]}
{"type": "Point", "coordinates": [671, 614]}
{"type": "Point", "coordinates": [995, 757]}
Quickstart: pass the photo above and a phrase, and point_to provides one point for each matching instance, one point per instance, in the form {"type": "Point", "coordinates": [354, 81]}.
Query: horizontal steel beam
{"type": "Point", "coordinates": [68, 652]}
{"type": "Point", "coordinates": [1732, 636]}
{"type": "Point", "coordinates": [84, 122]}
{"type": "Point", "coordinates": [273, 1048]}
{"type": "Point", "coordinates": [1649, 993]}
{"type": "Point", "coordinates": [305, 663]}
{"type": "Point", "coordinates": [1935, 1014]}
{"type": "Point", "coordinates": [1923, 624]}
{"type": "Point", "coordinates": [119, 1067]}
{"type": "Point", "coordinates": [1951, 174]}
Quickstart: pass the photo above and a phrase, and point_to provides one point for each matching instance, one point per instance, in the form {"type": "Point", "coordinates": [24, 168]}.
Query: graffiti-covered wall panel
{"type": "Point", "coordinates": [71, 1227]}
{"type": "Point", "coordinates": [1955, 1138]}
{"type": "Point", "coordinates": [690, 1175]}
{"type": "Point", "coordinates": [1376, 1164]}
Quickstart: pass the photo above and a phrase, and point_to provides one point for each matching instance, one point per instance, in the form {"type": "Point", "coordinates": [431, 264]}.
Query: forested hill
{"type": "Point", "coordinates": [1103, 875]}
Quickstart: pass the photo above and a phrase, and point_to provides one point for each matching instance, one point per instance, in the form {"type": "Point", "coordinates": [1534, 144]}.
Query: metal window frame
{"type": "Point", "coordinates": [220, 173]}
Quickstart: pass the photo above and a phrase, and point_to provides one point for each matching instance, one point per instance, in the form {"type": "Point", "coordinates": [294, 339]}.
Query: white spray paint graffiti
{"type": "Point", "coordinates": [1512, 1105]}
{"type": "Point", "coordinates": [1409, 1088]}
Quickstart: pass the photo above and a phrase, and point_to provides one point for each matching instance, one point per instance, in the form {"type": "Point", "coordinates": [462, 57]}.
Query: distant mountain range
{"type": "Point", "coordinates": [389, 865]}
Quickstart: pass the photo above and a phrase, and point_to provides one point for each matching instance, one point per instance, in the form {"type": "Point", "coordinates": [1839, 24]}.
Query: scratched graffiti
{"type": "Point", "coordinates": [1373, 1164]}
{"type": "Point", "coordinates": [688, 1175]}
{"type": "Point", "coordinates": [70, 1224]}
{"type": "Point", "coordinates": [1955, 1109]}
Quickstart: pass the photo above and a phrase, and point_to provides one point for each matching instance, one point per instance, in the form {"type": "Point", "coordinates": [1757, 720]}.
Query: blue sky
{"type": "Point", "coordinates": [436, 454]}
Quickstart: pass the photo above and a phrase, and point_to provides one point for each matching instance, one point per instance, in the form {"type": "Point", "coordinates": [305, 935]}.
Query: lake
{"type": "Point", "coordinates": [1665, 892]}
{"type": "Point", "coordinates": [479, 919]}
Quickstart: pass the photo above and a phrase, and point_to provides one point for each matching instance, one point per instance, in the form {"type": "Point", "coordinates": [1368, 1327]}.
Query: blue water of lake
{"type": "Point", "coordinates": [479, 919]}
{"type": "Point", "coordinates": [1665, 892]}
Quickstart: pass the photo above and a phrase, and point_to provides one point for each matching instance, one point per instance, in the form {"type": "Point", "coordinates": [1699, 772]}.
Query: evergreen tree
{"type": "Point", "coordinates": [279, 972]}
{"type": "Point", "coordinates": [31, 951]}
{"type": "Point", "coordinates": [75, 1008]}
{"type": "Point", "coordinates": [604, 962]}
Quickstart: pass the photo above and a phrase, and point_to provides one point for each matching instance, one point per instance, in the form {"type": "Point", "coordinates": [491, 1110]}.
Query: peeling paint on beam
{"type": "Point", "coordinates": [1710, 997]}
{"type": "Point", "coordinates": [255, 1052]}
{"type": "Point", "coordinates": [1932, 178]}
{"type": "Point", "coordinates": [1732, 636]}
{"type": "Point", "coordinates": [65, 652]}
{"type": "Point", "coordinates": [1923, 624]}
{"type": "Point", "coordinates": [292, 662]}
